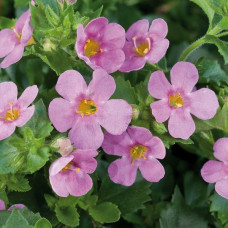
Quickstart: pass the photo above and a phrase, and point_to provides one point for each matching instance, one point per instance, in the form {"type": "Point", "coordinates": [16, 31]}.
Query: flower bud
{"type": "Point", "coordinates": [48, 45]}
{"type": "Point", "coordinates": [64, 145]}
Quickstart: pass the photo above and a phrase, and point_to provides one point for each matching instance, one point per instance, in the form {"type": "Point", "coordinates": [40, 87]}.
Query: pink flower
{"type": "Point", "coordinates": [139, 149]}
{"type": "Point", "coordinates": [13, 41]}
{"type": "Point", "coordinates": [3, 207]}
{"type": "Point", "coordinates": [217, 171]}
{"type": "Point", "coordinates": [145, 46]}
{"type": "Point", "coordinates": [100, 44]}
{"type": "Point", "coordinates": [15, 112]}
{"type": "Point", "coordinates": [84, 108]}
{"type": "Point", "coordinates": [68, 174]}
{"type": "Point", "coordinates": [179, 101]}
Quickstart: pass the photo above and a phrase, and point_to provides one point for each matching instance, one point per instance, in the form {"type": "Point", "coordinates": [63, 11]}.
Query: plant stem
{"type": "Point", "coordinates": [222, 34]}
{"type": "Point", "coordinates": [191, 48]}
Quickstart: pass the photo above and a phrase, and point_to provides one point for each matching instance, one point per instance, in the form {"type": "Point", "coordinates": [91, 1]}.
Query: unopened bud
{"type": "Point", "coordinates": [48, 45]}
{"type": "Point", "coordinates": [64, 146]}
{"type": "Point", "coordinates": [135, 112]}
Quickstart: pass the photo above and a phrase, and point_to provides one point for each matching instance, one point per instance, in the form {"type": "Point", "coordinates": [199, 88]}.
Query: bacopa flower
{"type": "Point", "coordinates": [145, 44]}
{"type": "Point", "coordinates": [100, 44]}
{"type": "Point", "coordinates": [3, 207]}
{"type": "Point", "coordinates": [13, 41]}
{"type": "Point", "coordinates": [15, 112]}
{"type": "Point", "coordinates": [69, 174]}
{"type": "Point", "coordinates": [84, 108]}
{"type": "Point", "coordinates": [181, 99]}
{"type": "Point", "coordinates": [139, 149]}
{"type": "Point", "coordinates": [217, 171]}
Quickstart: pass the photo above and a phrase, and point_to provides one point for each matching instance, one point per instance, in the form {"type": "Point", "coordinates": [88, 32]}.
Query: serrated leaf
{"type": "Point", "coordinates": [17, 183]}
{"type": "Point", "coordinates": [6, 22]}
{"type": "Point", "coordinates": [16, 220]}
{"type": "Point", "coordinates": [43, 223]}
{"type": "Point", "coordinates": [67, 215]}
{"type": "Point", "coordinates": [178, 214]}
{"type": "Point", "coordinates": [53, 4]}
{"type": "Point", "coordinates": [204, 4]}
{"type": "Point", "coordinates": [123, 196]}
{"type": "Point", "coordinates": [51, 16]}
{"type": "Point", "coordinates": [31, 217]}
{"type": "Point", "coordinates": [221, 45]}
{"type": "Point", "coordinates": [88, 201]}
{"type": "Point", "coordinates": [105, 212]}
{"type": "Point", "coordinates": [124, 90]}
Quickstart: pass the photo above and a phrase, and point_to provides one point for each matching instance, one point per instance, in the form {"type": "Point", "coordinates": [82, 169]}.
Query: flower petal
{"type": "Point", "coordinates": [139, 28]}
{"type": "Point", "coordinates": [84, 159]}
{"type": "Point", "coordinates": [27, 32]}
{"type": "Point", "coordinates": [115, 116]}
{"type": "Point", "coordinates": [158, 51]}
{"type": "Point", "coordinates": [184, 75]}
{"type": "Point", "coordinates": [14, 56]}
{"type": "Point", "coordinates": [6, 130]}
{"type": "Point", "coordinates": [100, 81]}
{"type": "Point", "coordinates": [114, 35]}
{"type": "Point", "coordinates": [59, 164]}
{"type": "Point", "coordinates": [61, 114]}
{"type": "Point", "coordinates": [8, 93]}
{"type": "Point", "coordinates": [70, 84]}
{"type": "Point", "coordinates": [152, 170]}
{"type": "Point", "coordinates": [19, 206]}
{"type": "Point", "coordinates": [181, 124]}
{"type": "Point", "coordinates": [8, 40]}
{"type": "Point", "coordinates": [117, 144]}
{"type": "Point", "coordinates": [96, 26]}
{"type": "Point", "coordinates": [25, 116]}
{"type": "Point", "coordinates": [78, 183]}
{"type": "Point", "coordinates": [158, 85]}
{"type": "Point", "coordinates": [221, 188]}
{"type": "Point", "coordinates": [21, 21]}
{"type": "Point", "coordinates": [139, 134]}
{"type": "Point", "coordinates": [86, 134]}
{"type": "Point", "coordinates": [158, 29]}
{"type": "Point", "coordinates": [121, 171]}
{"type": "Point", "coordinates": [161, 110]}
{"type": "Point", "coordinates": [80, 42]}
{"type": "Point", "coordinates": [212, 171]}
{"type": "Point", "coordinates": [28, 96]}
{"type": "Point", "coordinates": [156, 148]}
{"type": "Point", "coordinates": [2, 205]}
{"type": "Point", "coordinates": [58, 184]}
{"type": "Point", "coordinates": [204, 103]}
{"type": "Point", "coordinates": [110, 60]}
{"type": "Point", "coordinates": [221, 149]}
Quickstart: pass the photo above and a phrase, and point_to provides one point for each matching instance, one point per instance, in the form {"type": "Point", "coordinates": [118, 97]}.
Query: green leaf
{"type": "Point", "coordinates": [16, 220]}
{"type": "Point", "coordinates": [178, 214]}
{"type": "Point", "coordinates": [39, 123]}
{"type": "Point", "coordinates": [88, 201]}
{"type": "Point", "coordinates": [211, 71]}
{"type": "Point", "coordinates": [219, 205]}
{"type": "Point", "coordinates": [217, 6]}
{"type": "Point", "coordinates": [6, 22]}
{"type": "Point", "coordinates": [223, 24]}
{"type": "Point", "coordinates": [67, 215]}
{"type": "Point", "coordinates": [221, 45]}
{"type": "Point", "coordinates": [4, 215]}
{"type": "Point", "coordinates": [43, 223]}
{"type": "Point", "coordinates": [19, 3]}
{"type": "Point", "coordinates": [105, 212]}
{"type": "Point", "coordinates": [51, 3]}
{"type": "Point", "coordinates": [123, 196]}
{"type": "Point", "coordinates": [31, 217]}
{"type": "Point", "coordinates": [124, 90]}
{"type": "Point", "coordinates": [51, 16]}
{"type": "Point", "coordinates": [204, 4]}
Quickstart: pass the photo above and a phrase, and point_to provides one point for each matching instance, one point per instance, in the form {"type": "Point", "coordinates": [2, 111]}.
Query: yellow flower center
{"type": "Point", "coordinates": [30, 42]}
{"type": "Point", "coordinates": [11, 114]}
{"type": "Point", "coordinates": [87, 107]}
{"type": "Point", "coordinates": [92, 48]}
{"type": "Point", "coordinates": [143, 47]}
{"type": "Point", "coordinates": [176, 100]}
{"type": "Point", "coordinates": [67, 167]}
{"type": "Point", "coordinates": [137, 152]}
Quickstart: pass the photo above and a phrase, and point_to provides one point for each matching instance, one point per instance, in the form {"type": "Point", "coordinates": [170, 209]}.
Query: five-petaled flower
{"type": "Point", "coordinates": [84, 108]}
{"type": "Point", "coordinates": [217, 171]}
{"type": "Point", "coordinates": [13, 41]}
{"type": "Point", "coordinates": [15, 113]}
{"type": "Point", "coordinates": [139, 149]}
{"type": "Point", "coordinates": [145, 44]}
{"type": "Point", "coordinates": [100, 44]}
{"type": "Point", "coordinates": [180, 100]}
{"type": "Point", "coordinates": [69, 174]}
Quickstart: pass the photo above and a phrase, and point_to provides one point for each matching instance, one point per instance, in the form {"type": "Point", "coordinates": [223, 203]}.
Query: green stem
{"type": "Point", "coordinates": [191, 48]}
{"type": "Point", "coordinates": [222, 34]}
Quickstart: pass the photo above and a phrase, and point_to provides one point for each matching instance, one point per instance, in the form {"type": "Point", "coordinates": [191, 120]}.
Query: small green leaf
{"type": "Point", "coordinates": [51, 16]}
{"type": "Point", "coordinates": [223, 24]}
{"type": "Point", "coordinates": [217, 6]}
{"type": "Point", "coordinates": [43, 223]}
{"type": "Point", "coordinates": [19, 3]}
{"type": "Point", "coordinates": [6, 22]}
{"type": "Point", "coordinates": [88, 201]}
{"type": "Point", "coordinates": [221, 45]}
{"type": "Point", "coordinates": [105, 212]}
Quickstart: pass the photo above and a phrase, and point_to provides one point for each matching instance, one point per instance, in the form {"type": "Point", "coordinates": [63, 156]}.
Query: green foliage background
{"type": "Point", "coordinates": [182, 198]}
